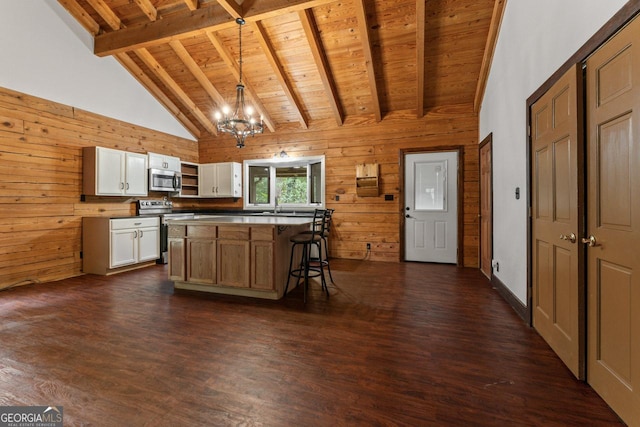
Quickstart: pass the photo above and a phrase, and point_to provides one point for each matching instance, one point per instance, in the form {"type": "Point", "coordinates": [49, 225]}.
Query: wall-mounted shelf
{"type": "Point", "coordinates": [367, 180]}
{"type": "Point", "coordinates": [190, 180]}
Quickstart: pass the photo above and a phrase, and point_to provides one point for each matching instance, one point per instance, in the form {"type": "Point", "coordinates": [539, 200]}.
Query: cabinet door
{"type": "Point", "coordinates": [136, 174]}
{"type": "Point", "coordinates": [160, 161]}
{"type": "Point", "coordinates": [233, 263]}
{"type": "Point", "coordinates": [156, 161]}
{"type": "Point", "coordinates": [110, 172]}
{"type": "Point", "coordinates": [172, 163]}
{"type": "Point", "coordinates": [124, 247]}
{"type": "Point", "coordinates": [224, 179]}
{"type": "Point", "coordinates": [262, 268]}
{"type": "Point", "coordinates": [201, 261]}
{"type": "Point", "coordinates": [148, 244]}
{"type": "Point", "coordinates": [207, 180]}
{"type": "Point", "coordinates": [177, 259]}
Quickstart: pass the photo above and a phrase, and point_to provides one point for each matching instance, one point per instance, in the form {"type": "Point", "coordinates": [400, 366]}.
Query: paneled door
{"type": "Point", "coordinates": [431, 207]}
{"type": "Point", "coordinates": [558, 284]}
{"type": "Point", "coordinates": [613, 225]}
{"type": "Point", "coordinates": [486, 207]}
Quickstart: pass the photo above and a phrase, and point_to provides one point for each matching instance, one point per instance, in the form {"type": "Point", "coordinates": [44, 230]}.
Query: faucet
{"type": "Point", "coordinates": [275, 207]}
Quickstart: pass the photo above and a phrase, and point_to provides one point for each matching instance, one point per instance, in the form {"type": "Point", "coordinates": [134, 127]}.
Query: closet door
{"type": "Point", "coordinates": [613, 225]}
{"type": "Point", "coordinates": [558, 282]}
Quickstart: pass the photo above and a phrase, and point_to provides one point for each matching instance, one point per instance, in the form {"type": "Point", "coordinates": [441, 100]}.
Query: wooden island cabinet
{"type": "Point", "coordinates": [238, 255]}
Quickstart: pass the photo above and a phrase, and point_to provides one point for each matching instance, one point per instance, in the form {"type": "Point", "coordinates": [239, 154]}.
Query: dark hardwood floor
{"type": "Point", "coordinates": [396, 344]}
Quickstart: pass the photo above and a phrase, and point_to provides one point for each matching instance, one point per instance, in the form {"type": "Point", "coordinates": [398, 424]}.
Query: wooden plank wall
{"type": "Point", "coordinates": [40, 183]}
{"type": "Point", "coordinates": [359, 220]}
{"type": "Point", "coordinates": [41, 179]}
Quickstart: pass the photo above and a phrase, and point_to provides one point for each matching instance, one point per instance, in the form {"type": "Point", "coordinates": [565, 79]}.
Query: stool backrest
{"type": "Point", "coordinates": [327, 221]}
{"type": "Point", "coordinates": [319, 220]}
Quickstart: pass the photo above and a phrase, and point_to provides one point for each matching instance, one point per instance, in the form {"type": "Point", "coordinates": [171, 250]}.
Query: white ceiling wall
{"type": "Point", "coordinates": [46, 53]}
{"type": "Point", "coordinates": [536, 38]}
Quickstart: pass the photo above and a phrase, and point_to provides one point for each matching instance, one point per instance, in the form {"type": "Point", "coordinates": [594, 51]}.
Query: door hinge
{"type": "Point", "coordinates": [529, 130]}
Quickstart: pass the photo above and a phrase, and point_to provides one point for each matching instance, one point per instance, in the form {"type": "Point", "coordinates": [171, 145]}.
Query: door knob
{"type": "Point", "coordinates": [591, 241]}
{"type": "Point", "coordinates": [571, 237]}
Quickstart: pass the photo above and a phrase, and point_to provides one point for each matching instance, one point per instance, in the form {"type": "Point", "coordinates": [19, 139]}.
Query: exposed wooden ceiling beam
{"type": "Point", "coordinates": [191, 23]}
{"type": "Point", "coordinates": [361, 15]}
{"type": "Point", "coordinates": [270, 53]}
{"type": "Point", "coordinates": [233, 66]}
{"type": "Point", "coordinates": [171, 84]}
{"type": "Point", "coordinates": [144, 80]}
{"type": "Point", "coordinates": [148, 8]}
{"type": "Point", "coordinates": [489, 49]}
{"type": "Point", "coordinates": [106, 13]}
{"type": "Point", "coordinates": [233, 8]}
{"type": "Point", "coordinates": [81, 16]}
{"type": "Point", "coordinates": [310, 30]}
{"type": "Point", "coordinates": [421, 12]}
{"type": "Point", "coordinates": [197, 72]}
{"type": "Point", "coordinates": [192, 4]}
{"type": "Point", "coordinates": [160, 31]}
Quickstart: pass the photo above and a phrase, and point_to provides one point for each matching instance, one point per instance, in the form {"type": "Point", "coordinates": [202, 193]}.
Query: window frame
{"type": "Point", "coordinates": [272, 165]}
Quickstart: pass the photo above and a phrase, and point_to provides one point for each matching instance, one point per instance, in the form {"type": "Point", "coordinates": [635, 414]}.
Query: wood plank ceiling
{"type": "Point", "coordinates": [311, 64]}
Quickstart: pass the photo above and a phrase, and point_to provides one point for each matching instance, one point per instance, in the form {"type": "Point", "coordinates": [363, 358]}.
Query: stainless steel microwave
{"type": "Point", "coordinates": [164, 180]}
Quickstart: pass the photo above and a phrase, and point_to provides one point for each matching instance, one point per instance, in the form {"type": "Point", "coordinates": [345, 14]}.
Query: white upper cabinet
{"type": "Point", "coordinates": [161, 161]}
{"type": "Point", "coordinates": [220, 179]}
{"type": "Point", "coordinates": [108, 172]}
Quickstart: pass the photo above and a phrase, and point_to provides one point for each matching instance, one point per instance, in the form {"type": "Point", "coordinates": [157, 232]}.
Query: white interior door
{"type": "Point", "coordinates": [431, 207]}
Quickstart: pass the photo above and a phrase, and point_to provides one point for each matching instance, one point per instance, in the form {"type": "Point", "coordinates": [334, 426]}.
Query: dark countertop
{"type": "Point", "coordinates": [230, 212]}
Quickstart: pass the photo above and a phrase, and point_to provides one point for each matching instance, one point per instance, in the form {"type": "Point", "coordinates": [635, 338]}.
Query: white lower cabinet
{"type": "Point", "coordinates": [112, 244]}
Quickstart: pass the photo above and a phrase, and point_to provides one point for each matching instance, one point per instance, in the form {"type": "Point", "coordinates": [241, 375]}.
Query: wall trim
{"type": "Point", "coordinates": [521, 309]}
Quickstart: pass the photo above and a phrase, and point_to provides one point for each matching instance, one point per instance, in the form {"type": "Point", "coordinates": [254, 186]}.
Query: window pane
{"type": "Point", "coordinates": [258, 185]}
{"type": "Point", "coordinates": [430, 188]}
{"type": "Point", "coordinates": [291, 185]}
{"type": "Point", "coordinates": [316, 182]}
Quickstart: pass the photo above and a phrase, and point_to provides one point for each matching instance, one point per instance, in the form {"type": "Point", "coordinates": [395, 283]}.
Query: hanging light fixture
{"type": "Point", "coordinates": [240, 123]}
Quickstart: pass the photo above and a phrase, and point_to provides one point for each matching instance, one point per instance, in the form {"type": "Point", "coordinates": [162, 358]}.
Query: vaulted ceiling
{"type": "Point", "coordinates": [312, 64]}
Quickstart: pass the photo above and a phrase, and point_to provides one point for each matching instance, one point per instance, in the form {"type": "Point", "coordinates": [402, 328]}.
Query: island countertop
{"type": "Point", "coordinates": [244, 220]}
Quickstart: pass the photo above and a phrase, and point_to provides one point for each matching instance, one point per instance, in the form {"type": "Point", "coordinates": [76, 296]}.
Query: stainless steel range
{"type": "Point", "coordinates": [164, 209]}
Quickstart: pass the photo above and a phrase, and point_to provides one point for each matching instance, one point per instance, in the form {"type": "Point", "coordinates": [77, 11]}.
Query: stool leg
{"type": "Point", "coordinates": [323, 281]}
{"type": "Point", "coordinates": [286, 288]}
{"type": "Point", "coordinates": [305, 259]}
{"type": "Point", "coordinates": [326, 257]}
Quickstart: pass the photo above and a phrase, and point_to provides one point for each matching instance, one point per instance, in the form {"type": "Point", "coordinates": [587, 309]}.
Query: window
{"type": "Point", "coordinates": [431, 178]}
{"type": "Point", "coordinates": [291, 183]}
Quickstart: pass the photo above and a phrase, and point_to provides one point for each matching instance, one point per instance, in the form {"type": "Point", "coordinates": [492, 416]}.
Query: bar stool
{"type": "Point", "coordinates": [324, 234]}
{"type": "Point", "coordinates": [309, 266]}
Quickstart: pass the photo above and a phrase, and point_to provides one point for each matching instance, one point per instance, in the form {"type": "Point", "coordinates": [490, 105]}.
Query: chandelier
{"type": "Point", "coordinates": [240, 123]}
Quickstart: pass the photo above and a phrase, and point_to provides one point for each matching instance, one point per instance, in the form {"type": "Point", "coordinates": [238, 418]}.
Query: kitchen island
{"type": "Point", "coordinates": [236, 255]}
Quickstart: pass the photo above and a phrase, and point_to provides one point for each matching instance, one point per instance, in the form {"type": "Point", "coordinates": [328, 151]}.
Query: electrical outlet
{"type": "Point", "coordinates": [368, 246]}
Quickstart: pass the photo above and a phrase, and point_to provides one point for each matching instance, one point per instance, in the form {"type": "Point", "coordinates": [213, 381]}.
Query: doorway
{"type": "Point", "coordinates": [431, 206]}
{"type": "Point", "coordinates": [556, 220]}
{"type": "Point", "coordinates": [585, 272]}
{"type": "Point", "coordinates": [612, 237]}
{"type": "Point", "coordinates": [486, 206]}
